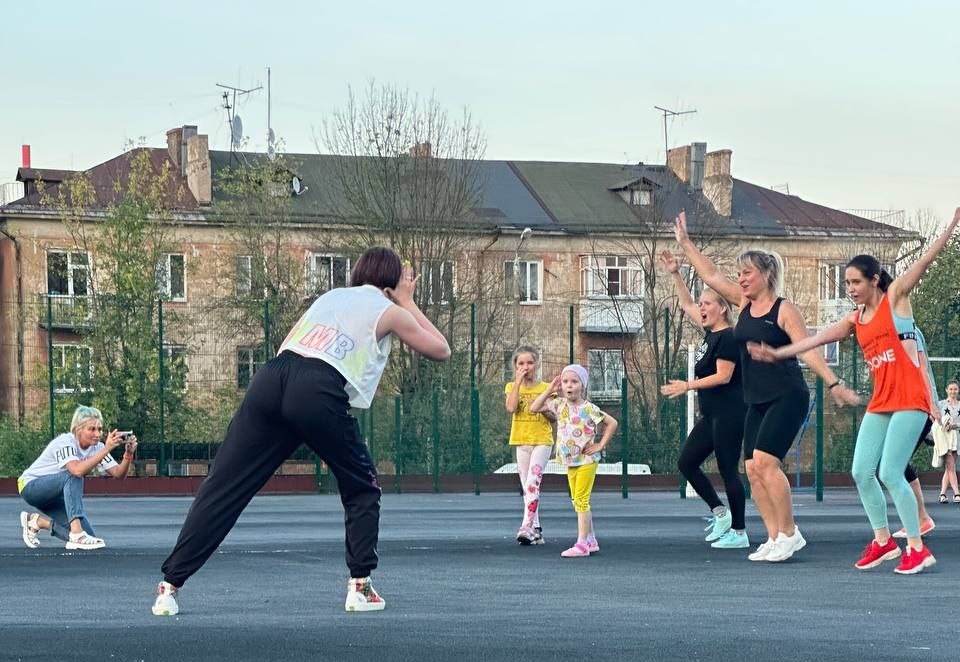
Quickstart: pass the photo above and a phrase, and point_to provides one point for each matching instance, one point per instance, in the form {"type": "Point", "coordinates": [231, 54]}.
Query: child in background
{"type": "Point", "coordinates": [577, 423]}
{"type": "Point", "coordinates": [532, 435]}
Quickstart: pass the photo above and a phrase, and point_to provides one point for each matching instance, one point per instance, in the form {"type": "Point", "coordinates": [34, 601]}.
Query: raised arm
{"type": "Point", "coordinates": [670, 263]}
{"type": "Point", "coordinates": [834, 333]}
{"type": "Point", "coordinates": [705, 267]}
{"type": "Point", "coordinates": [901, 287]}
{"type": "Point", "coordinates": [540, 402]}
{"type": "Point", "coordinates": [409, 324]}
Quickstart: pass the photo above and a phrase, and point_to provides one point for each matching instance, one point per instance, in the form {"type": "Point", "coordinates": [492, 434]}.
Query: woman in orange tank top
{"type": "Point", "coordinates": [899, 406]}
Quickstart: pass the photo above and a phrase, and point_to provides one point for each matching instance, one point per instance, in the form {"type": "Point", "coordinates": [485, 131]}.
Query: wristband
{"type": "Point", "coordinates": [128, 455]}
{"type": "Point", "coordinates": [836, 383]}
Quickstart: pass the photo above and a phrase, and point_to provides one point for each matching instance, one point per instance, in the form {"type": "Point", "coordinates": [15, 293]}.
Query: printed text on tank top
{"type": "Point", "coordinates": [906, 330]}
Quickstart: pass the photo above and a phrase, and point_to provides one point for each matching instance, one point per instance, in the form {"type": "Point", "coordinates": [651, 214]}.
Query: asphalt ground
{"type": "Point", "coordinates": [458, 587]}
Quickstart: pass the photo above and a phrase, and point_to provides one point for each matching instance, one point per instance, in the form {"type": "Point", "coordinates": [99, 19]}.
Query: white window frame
{"type": "Point", "coordinates": [165, 273]}
{"type": "Point", "coordinates": [837, 289]}
{"type": "Point", "coordinates": [250, 360]}
{"type": "Point", "coordinates": [71, 269]}
{"type": "Point", "coordinates": [601, 356]}
{"type": "Point", "coordinates": [59, 358]}
{"type": "Point", "coordinates": [243, 281]}
{"type": "Point", "coordinates": [527, 267]}
{"type": "Point", "coordinates": [313, 275]}
{"type": "Point", "coordinates": [447, 270]}
{"type": "Point", "coordinates": [595, 273]}
{"type": "Point", "coordinates": [169, 351]}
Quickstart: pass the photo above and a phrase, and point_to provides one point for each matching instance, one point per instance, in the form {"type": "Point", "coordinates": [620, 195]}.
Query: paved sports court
{"type": "Point", "coordinates": [458, 587]}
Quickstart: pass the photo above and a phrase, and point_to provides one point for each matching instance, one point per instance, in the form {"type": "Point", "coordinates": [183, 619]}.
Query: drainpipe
{"type": "Point", "coordinates": [20, 316]}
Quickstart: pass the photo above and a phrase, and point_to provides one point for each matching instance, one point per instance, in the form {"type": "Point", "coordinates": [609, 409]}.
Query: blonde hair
{"type": "Point", "coordinates": [728, 315]}
{"type": "Point", "coordinates": [82, 414]}
{"type": "Point", "coordinates": [770, 264]}
{"type": "Point", "coordinates": [525, 349]}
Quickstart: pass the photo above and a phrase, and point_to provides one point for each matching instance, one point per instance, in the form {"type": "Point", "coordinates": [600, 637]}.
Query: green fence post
{"type": "Point", "coordinates": [266, 330]}
{"type": "Point", "coordinates": [435, 434]}
{"type": "Point", "coordinates": [162, 464]}
{"type": "Point", "coordinates": [397, 440]}
{"type": "Point", "coordinates": [818, 460]}
{"type": "Point", "coordinates": [571, 357]}
{"type": "Point", "coordinates": [624, 437]}
{"type": "Point", "coordinates": [53, 423]}
{"type": "Point", "coordinates": [475, 436]}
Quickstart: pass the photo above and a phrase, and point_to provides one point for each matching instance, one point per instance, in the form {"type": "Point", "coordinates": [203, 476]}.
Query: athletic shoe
{"type": "Point", "coordinates": [166, 602]}
{"type": "Point", "coordinates": [720, 526]}
{"type": "Point", "coordinates": [578, 549]}
{"type": "Point", "coordinates": [786, 546]}
{"type": "Point", "coordinates": [874, 554]}
{"type": "Point", "coordinates": [760, 554]}
{"type": "Point", "coordinates": [84, 541]}
{"type": "Point", "coordinates": [710, 521]}
{"type": "Point", "coordinates": [537, 536]}
{"type": "Point", "coordinates": [593, 545]}
{"type": "Point", "coordinates": [915, 561]}
{"type": "Point", "coordinates": [30, 531]}
{"type": "Point", "coordinates": [525, 535]}
{"type": "Point", "coordinates": [926, 526]}
{"type": "Point", "coordinates": [732, 540]}
{"type": "Point", "coordinates": [362, 597]}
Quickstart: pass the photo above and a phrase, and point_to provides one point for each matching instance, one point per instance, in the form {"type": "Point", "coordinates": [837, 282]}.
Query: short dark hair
{"type": "Point", "coordinates": [378, 266]}
{"type": "Point", "coordinates": [869, 266]}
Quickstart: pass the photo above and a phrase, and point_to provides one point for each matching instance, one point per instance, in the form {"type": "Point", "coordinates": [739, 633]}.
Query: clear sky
{"type": "Point", "coordinates": [852, 104]}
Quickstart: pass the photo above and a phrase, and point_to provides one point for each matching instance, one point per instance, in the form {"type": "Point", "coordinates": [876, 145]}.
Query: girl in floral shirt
{"type": "Point", "coordinates": [577, 425]}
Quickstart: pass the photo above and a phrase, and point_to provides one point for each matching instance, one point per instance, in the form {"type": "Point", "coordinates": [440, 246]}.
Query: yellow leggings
{"type": "Point", "coordinates": [581, 485]}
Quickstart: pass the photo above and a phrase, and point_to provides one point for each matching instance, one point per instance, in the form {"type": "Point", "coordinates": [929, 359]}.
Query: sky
{"type": "Point", "coordinates": [854, 105]}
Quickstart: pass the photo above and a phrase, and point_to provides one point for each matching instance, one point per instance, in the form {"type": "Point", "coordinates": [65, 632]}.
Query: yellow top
{"type": "Point", "coordinates": [528, 428]}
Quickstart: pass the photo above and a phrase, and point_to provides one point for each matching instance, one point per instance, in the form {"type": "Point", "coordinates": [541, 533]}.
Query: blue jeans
{"type": "Point", "coordinates": [59, 496]}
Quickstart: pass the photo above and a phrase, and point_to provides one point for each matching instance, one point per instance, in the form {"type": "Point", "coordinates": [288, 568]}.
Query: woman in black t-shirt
{"type": "Point", "coordinates": [720, 428]}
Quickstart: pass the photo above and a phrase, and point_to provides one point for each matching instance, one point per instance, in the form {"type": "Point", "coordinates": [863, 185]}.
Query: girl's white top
{"type": "Point", "coordinates": [340, 328]}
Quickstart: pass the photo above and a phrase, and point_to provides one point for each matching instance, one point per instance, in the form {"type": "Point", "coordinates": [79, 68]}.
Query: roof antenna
{"type": "Point", "coordinates": [670, 113]}
{"type": "Point", "coordinates": [233, 120]}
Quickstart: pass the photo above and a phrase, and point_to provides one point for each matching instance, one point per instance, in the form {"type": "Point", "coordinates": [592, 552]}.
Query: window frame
{"type": "Point", "coordinates": [311, 274]}
{"type": "Point", "coordinates": [595, 277]}
{"type": "Point", "coordinates": [445, 266]}
{"type": "Point", "coordinates": [604, 351]}
{"type": "Point", "coordinates": [164, 277]}
{"type": "Point", "coordinates": [510, 282]}
{"type": "Point", "coordinates": [62, 388]}
{"type": "Point", "coordinates": [70, 269]}
{"type": "Point", "coordinates": [251, 361]}
{"type": "Point", "coordinates": [243, 284]}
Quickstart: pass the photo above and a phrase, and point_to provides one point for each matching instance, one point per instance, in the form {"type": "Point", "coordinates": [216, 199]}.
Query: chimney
{"type": "Point", "coordinates": [717, 181]}
{"type": "Point", "coordinates": [422, 150]}
{"type": "Point", "coordinates": [196, 157]}
{"type": "Point", "coordinates": [25, 156]}
{"type": "Point", "coordinates": [174, 140]}
{"type": "Point", "coordinates": [697, 153]}
{"type": "Point", "coordinates": [678, 160]}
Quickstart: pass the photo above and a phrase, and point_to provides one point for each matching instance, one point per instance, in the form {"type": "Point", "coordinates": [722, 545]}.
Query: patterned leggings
{"type": "Point", "coordinates": [531, 461]}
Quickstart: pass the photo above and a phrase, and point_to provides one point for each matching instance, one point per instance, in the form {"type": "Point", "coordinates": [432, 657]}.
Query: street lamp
{"type": "Point", "coordinates": [516, 284]}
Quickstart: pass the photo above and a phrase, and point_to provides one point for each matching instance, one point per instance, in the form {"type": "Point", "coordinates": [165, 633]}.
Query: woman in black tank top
{"type": "Point", "coordinates": [777, 400]}
{"type": "Point", "coordinates": [720, 427]}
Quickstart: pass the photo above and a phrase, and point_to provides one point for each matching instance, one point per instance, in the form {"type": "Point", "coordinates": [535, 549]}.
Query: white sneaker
{"type": "Point", "coordinates": [30, 531]}
{"type": "Point", "coordinates": [761, 552]}
{"type": "Point", "coordinates": [786, 546]}
{"type": "Point", "coordinates": [166, 602]}
{"type": "Point", "coordinates": [362, 597]}
{"type": "Point", "coordinates": [85, 541]}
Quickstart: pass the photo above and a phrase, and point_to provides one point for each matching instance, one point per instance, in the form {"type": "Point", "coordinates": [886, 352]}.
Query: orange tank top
{"type": "Point", "coordinates": [898, 384]}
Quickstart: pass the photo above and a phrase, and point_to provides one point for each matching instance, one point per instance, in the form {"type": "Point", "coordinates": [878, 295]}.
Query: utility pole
{"type": "Point", "coordinates": [670, 113]}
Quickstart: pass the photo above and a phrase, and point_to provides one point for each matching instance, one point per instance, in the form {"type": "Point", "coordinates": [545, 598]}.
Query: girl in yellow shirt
{"type": "Point", "coordinates": [532, 435]}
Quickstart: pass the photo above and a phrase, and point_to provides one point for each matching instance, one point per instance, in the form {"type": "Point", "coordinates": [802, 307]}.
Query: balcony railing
{"type": "Point", "coordinates": [64, 311]}
{"type": "Point", "coordinates": [611, 315]}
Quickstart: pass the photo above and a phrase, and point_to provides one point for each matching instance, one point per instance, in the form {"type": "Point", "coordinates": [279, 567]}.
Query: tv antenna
{"type": "Point", "coordinates": [271, 138]}
{"type": "Point", "coordinates": [670, 113]}
{"type": "Point", "coordinates": [233, 120]}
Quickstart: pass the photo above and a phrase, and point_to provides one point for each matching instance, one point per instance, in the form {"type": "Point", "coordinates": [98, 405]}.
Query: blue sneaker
{"type": "Point", "coordinates": [732, 540]}
{"type": "Point", "coordinates": [720, 526]}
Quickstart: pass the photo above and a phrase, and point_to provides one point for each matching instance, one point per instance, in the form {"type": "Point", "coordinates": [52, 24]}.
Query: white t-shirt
{"type": "Point", "coordinates": [59, 453]}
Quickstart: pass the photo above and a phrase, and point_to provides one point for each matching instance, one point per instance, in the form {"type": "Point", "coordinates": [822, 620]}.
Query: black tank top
{"type": "Point", "coordinates": [765, 382]}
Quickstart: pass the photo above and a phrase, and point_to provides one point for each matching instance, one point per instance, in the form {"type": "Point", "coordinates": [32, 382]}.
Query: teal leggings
{"type": "Point", "coordinates": [887, 441]}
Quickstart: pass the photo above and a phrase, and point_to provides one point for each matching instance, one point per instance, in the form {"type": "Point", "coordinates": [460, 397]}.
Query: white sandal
{"type": "Point", "coordinates": [28, 523]}
{"type": "Point", "coordinates": [85, 541]}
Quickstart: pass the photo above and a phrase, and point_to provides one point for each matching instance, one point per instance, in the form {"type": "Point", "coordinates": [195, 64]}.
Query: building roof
{"type": "Point", "coordinates": [569, 197]}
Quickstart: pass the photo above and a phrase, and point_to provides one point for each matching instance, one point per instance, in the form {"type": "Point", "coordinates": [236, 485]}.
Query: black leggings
{"type": "Point", "coordinates": [910, 474]}
{"type": "Point", "coordinates": [721, 434]}
{"type": "Point", "coordinates": [291, 400]}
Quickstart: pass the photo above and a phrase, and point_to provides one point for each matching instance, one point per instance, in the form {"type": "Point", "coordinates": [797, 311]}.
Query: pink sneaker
{"type": "Point", "coordinates": [593, 545]}
{"type": "Point", "coordinates": [578, 549]}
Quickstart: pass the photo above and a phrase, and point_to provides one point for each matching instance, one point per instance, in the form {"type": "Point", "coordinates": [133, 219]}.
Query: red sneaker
{"type": "Point", "coordinates": [915, 561]}
{"type": "Point", "coordinates": [926, 526]}
{"type": "Point", "coordinates": [874, 554]}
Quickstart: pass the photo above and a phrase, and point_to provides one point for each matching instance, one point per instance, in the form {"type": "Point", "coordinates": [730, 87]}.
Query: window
{"type": "Point", "coordinates": [690, 278]}
{"type": "Point", "coordinates": [244, 280]}
{"type": "Point", "coordinates": [171, 277]}
{"type": "Point", "coordinates": [249, 360]}
{"type": "Point", "coordinates": [640, 197]}
{"type": "Point", "coordinates": [326, 272]}
{"type": "Point", "coordinates": [832, 284]}
{"type": "Point", "coordinates": [606, 371]}
{"type": "Point", "coordinates": [528, 282]}
{"type": "Point", "coordinates": [175, 367]}
{"type": "Point", "coordinates": [72, 369]}
{"type": "Point", "coordinates": [831, 351]}
{"type": "Point", "coordinates": [610, 275]}
{"type": "Point", "coordinates": [67, 273]}
{"type": "Point", "coordinates": [438, 277]}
